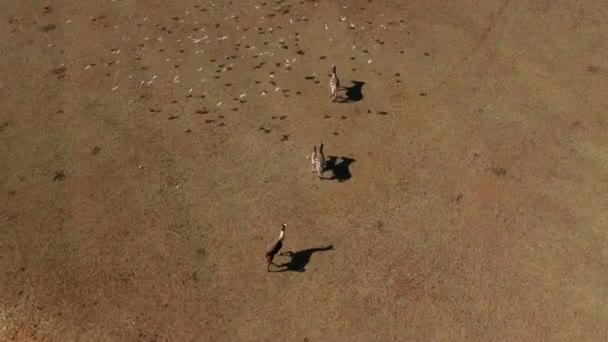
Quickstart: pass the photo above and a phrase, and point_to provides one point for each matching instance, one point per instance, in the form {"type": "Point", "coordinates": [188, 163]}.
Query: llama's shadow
{"type": "Point", "coordinates": [300, 259]}
{"type": "Point", "coordinates": [340, 170]}
{"type": "Point", "coordinates": [353, 93]}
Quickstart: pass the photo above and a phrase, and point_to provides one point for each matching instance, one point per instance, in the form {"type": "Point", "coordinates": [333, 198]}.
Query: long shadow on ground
{"type": "Point", "coordinates": [353, 93]}
{"type": "Point", "coordinates": [300, 259]}
{"type": "Point", "coordinates": [341, 170]}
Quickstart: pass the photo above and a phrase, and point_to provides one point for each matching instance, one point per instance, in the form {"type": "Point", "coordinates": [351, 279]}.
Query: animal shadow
{"type": "Point", "coordinates": [341, 170]}
{"type": "Point", "coordinates": [353, 93]}
{"type": "Point", "coordinates": [300, 259]}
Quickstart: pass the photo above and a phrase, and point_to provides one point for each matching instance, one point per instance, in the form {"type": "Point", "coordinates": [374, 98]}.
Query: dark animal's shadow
{"type": "Point", "coordinates": [341, 170]}
{"type": "Point", "coordinates": [353, 93]}
{"type": "Point", "coordinates": [300, 259]}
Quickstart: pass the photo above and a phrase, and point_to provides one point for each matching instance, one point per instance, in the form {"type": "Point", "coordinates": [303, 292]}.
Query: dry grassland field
{"type": "Point", "coordinates": [151, 150]}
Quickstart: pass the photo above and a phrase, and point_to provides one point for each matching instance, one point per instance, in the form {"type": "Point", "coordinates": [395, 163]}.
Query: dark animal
{"type": "Point", "coordinates": [272, 252]}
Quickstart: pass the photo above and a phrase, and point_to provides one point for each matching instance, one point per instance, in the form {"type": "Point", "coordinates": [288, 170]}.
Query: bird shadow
{"type": "Point", "coordinates": [340, 170]}
{"type": "Point", "coordinates": [353, 93]}
{"type": "Point", "coordinates": [300, 259]}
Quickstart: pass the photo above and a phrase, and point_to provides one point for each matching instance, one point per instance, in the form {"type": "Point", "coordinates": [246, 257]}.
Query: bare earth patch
{"type": "Point", "coordinates": [151, 150]}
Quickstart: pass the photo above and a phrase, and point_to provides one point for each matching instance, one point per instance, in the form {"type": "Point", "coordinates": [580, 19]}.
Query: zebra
{"type": "Point", "coordinates": [334, 83]}
{"type": "Point", "coordinates": [318, 160]}
{"type": "Point", "coordinates": [272, 252]}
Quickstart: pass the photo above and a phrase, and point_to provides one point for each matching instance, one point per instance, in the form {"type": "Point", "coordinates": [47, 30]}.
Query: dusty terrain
{"type": "Point", "coordinates": [150, 151]}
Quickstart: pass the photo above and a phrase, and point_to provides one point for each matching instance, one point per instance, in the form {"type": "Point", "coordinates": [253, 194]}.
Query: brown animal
{"type": "Point", "coordinates": [272, 252]}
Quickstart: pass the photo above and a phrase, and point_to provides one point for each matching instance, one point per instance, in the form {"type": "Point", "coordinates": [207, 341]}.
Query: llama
{"type": "Point", "coordinates": [272, 252]}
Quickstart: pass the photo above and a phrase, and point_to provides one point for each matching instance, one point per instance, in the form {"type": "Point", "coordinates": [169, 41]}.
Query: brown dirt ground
{"type": "Point", "coordinates": [476, 204]}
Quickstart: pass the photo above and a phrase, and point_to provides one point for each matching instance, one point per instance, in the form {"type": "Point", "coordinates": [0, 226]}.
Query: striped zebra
{"type": "Point", "coordinates": [334, 83]}
{"type": "Point", "coordinates": [318, 160]}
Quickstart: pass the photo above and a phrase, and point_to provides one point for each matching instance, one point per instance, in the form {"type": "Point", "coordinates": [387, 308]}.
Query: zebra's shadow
{"type": "Point", "coordinates": [340, 170]}
{"type": "Point", "coordinates": [300, 259]}
{"type": "Point", "coordinates": [353, 93]}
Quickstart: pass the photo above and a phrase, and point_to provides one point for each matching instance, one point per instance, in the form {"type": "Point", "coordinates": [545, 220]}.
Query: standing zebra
{"type": "Point", "coordinates": [318, 160]}
{"type": "Point", "coordinates": [334, 83]}
{"type": "Point", "coordinates": [272, 252]}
